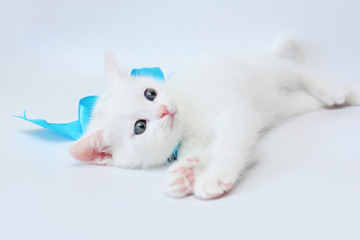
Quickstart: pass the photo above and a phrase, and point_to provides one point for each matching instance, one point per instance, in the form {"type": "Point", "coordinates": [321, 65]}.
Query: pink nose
{"type": "Point", "coordinates": [163, 111]}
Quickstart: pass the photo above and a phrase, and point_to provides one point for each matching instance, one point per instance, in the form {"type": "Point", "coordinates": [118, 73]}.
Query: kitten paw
{"type": "Point", "coordinates": [334, 96]}
{"type": "Point", "coordinates": [180, 179]}
{"type": "Point", "coordinates": [210, 186]}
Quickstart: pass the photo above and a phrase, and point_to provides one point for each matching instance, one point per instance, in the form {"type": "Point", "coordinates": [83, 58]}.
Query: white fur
{"type": "Point", "coordinates": [221, 107]}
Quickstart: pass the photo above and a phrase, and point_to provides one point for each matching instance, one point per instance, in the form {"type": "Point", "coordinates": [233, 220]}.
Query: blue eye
{"type": "Point", "coordinates": [150, 94]}
{"type": "Point", "coordinates": [139, 127]}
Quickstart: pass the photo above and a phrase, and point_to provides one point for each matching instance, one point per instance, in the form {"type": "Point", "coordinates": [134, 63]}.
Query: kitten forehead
{"type": "Point", "coordinates": [126, 101]}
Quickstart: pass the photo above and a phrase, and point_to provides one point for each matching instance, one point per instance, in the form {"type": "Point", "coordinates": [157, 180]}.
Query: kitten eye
{"type": "Point", "coordinates": [140, 127]}
{"type": "Point", "coordinates": [150, 94]}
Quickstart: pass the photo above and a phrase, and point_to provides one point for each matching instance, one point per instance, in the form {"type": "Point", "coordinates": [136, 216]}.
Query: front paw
{"type": "Point", "coordinates": [180, 178]}
{"type": "Point", "coordinates": [212, 185]}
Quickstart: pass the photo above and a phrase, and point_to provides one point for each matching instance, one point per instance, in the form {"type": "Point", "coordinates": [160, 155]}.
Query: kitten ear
{"type": "Point", "coordinates": [113, 73]}
{"type": "Point", "coordinates": [91, 149]}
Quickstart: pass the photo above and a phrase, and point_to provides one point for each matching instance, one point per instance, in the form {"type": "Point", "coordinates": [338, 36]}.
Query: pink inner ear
{"type": "Point", "coordinates": [90, 148]}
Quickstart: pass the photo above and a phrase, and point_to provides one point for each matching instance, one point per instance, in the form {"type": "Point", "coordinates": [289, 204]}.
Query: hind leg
{"type": "Point", "coordinates": [329, 94]}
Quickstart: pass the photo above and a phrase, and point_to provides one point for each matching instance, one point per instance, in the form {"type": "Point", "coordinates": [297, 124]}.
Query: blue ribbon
{"type": "Point", "coordinates": [74, 129]}
{"type": "Point", "coordinates": [148, 72]}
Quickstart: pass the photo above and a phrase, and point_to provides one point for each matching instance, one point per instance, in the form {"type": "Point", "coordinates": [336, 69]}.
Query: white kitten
{"type": "Point", "coordinates": [217, 110]}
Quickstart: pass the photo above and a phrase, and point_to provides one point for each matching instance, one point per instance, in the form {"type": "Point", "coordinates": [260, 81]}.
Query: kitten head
{"type": "Point", "coordinates": [134, 124]}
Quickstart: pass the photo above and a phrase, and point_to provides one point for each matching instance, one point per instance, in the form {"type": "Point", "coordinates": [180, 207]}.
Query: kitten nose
{"type": "Point", "coordinates": [163, 111]}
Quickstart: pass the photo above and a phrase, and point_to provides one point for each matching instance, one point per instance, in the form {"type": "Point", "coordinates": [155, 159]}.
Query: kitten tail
{"type": "Point", "coordinates": [286, 48]}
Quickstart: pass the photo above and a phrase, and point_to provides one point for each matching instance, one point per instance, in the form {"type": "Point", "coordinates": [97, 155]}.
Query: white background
{"type": "Point", "coordinates": [306, 185]}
